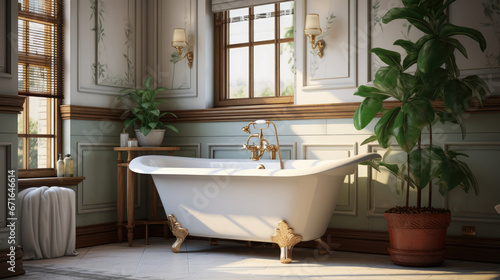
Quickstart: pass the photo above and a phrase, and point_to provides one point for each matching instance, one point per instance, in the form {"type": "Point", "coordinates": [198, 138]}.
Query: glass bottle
{"type": "Point", "coordinates": [60, 166]}
{"type": "Point", "coordinates": [68, 166]}
{"type": "Point", "coordinates": [123, 138]}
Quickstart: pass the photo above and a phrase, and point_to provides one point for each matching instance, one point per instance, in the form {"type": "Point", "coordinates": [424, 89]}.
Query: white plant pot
{"type": "Point", "coordinates": [153, 139]}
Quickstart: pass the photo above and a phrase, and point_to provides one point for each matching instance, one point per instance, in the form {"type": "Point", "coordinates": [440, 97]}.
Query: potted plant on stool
{"type": "Point", "coordinates": [146, 113]}
{"type": "Point", "coordinates": [417, 234]}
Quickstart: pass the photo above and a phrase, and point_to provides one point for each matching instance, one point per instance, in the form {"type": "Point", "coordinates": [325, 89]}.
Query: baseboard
{"type": "Point", "coordinates": [467, 248]}
{"type": "Point", "coordinates": [100, 234]}
{"type": "Point", "coordinates": [11, 266]}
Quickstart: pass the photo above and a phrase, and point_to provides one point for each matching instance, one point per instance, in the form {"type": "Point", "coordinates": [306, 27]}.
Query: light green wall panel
{"type": "Point", "coordinates": [364, 196]}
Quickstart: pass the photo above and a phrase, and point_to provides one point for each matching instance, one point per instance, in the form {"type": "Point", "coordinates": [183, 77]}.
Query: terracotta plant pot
{"type": "Point", "coordinates": [417, 239]}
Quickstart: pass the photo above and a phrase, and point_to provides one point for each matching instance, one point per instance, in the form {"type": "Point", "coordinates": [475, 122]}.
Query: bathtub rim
{"type": "Point", "coordinates": [139, 165]}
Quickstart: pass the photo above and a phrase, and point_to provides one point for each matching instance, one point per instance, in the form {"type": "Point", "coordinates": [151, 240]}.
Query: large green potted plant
{"type": "Point", "coordinates": [146, 114]}
{"type": "Point", "coordinates": [417, 234]}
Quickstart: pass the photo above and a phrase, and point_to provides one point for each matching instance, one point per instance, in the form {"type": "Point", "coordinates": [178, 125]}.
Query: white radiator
{"type": "Point", "coordinates": [47, 222]}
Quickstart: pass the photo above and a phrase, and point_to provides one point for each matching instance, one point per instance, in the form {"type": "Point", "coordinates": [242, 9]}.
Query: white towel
{"type": "Point", "coordinates": [47, 219]}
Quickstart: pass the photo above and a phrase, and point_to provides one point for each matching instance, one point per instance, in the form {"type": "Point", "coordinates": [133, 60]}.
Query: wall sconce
{"type": "Point", "coordinates": [311, 30]}
{"type": "Point", "coordinates": [179, 42]}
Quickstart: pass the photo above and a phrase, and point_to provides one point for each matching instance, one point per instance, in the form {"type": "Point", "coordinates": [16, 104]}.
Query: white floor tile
{"type": "Point", "coordinates": [234, 260]}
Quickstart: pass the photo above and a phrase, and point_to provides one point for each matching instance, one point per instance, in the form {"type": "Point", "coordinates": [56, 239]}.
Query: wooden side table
{"type": "Point", "coordinates": [120, 192]}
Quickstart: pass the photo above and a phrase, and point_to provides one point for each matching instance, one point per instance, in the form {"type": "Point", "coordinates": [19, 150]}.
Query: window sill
{"type": "Point", "coordinates": [49, 181]}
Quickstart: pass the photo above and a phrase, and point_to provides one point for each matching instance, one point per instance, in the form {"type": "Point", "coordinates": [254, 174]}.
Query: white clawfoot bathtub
{"type": "Point", "coordinates": [231, 199]}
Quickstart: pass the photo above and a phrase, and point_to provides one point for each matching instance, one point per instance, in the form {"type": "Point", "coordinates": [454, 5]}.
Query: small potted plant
{"type": "Point", "coordinates": [417, 234]}
{"type": "Point", "coordinates": [146, 114]}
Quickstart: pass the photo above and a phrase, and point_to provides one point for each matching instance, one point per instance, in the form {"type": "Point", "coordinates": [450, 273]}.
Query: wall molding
{"type": "Point", "coordinates": [82, 190]}
{"type": "Point", "coordinates": [351, 208]}
{"type": "Point", "coordinates": [247, 113]}
{"type": "Point", "coordinates": [349, 47]}
{"type": "Point", "coordinates": [465, 214]}
{"type": "Point", "coordinates": [11, 104]}
{"type": "Point", "coordinates": [467, 248]}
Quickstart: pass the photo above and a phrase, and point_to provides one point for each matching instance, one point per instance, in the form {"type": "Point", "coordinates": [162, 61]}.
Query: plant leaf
{"type": "Point", "coordinates": [449, 29]}
{"type": "Point", "coordinates": [371, 163]}
{"type": "Point", "coordinates": [366, 91]}
{"type": "Point", "coordinates": [384, 127]}
{"type": "Point", "coordinates": [155, 112]}
{"type": "Point", "coordinates": [370, 139]}
{"type": "Point", "coordinates": [390, 58]}
{"type": "Point", "coordinates": [457, 96]}
{"type": "Point", "coordinates": [450, 116]}
{"type": "Point", "coordinates": [386, 80]}
{"type": "Point", "coordinates": [392, 167]}
{"type": "Point", "coordinates": [456, 44]}
{"type": "Point", "coordinates": [173, 128]}
{"type": "Point", "coordinates": [406, 135]}
{"type": "Point", "coordinates": [153, 125]}
{"type": "Point", "coordinates": [478, 87]}
{"type": "Point", "coordinates": [432, 55]}
{"type": "Point", "coordinates": [419, 112]}
{"type": "Point", "coordinates": [145, 130]}
{"type": "Point", "coordinates": [413, 14]}
{"type": "Point", "coordinates": [128, 122]}
{"type": "Point", "coordinates": [148, 82]}
{"type": "Point", "coordinates": [366, 111]}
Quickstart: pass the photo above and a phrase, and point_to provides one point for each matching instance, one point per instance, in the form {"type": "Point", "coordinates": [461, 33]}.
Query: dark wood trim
{"type": "Point", "coordinates": [467, 248]}
{"type": "Point", "coordinates": [49, 181]}
{"type": "Point", "coordinates": [247, 113]}
{"type": "Point", "coordinates": [5, 263]}
{"type": "Point", "coordinates": [100, 234]}
{"type": "Point", "coordinates": [36, 173]}
{"type": "Point", "coordinates": [77, 112]}
{"type": "Point", "coordinates": [11, 104]}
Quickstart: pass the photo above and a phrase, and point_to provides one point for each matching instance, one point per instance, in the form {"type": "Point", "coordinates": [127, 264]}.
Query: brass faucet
{"type": "Point", "coordinates": [263, 144]}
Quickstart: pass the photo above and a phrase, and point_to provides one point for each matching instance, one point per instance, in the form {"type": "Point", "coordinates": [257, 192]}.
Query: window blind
{"type": "Point", "coordinates": [224, 5]}
{"type": "Point", "coordinates": [40, 38]}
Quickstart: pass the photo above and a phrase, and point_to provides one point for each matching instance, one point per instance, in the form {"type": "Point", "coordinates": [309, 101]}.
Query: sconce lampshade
{"type": "Point", "coordinates": [312, 26]}
{"type": "Point", "coordinates": [179, 39]}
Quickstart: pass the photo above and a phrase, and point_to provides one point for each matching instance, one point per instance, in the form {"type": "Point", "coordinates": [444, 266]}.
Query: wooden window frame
{"type": "Point", "coordinates": [54, 123]}
{"type": "Point", "coordinates": [221, 61]}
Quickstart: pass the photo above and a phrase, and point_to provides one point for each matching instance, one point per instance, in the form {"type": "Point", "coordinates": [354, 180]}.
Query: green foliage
{"type": "Point", "coordinates": [437, 78]}
{"type": "Point", "coordinates": [146, 112]}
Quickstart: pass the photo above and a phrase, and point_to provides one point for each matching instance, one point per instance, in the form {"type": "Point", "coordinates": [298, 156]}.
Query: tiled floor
{"type": "Point", "coordinates": [234, 260]}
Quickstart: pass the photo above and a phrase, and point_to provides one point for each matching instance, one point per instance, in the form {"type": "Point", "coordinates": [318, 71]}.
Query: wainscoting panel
{"type": "Point", "coordinates": [174, 73]}
{"type": "Point", "coordinates": [337, 68]}
{"type": "Point", "coordinates": [472, 15]}
{"type": "Point", "coordinates": [382, 186]}
{"type": "Point", "coordinates": [5, 166]}
{"type": "Point", "coordinates": [103, 66]}
{"type": "Point", "coordinates": [483, 161]}
{"type": "Point", "coordinates": [97, 193]}
{"type": "Point", "coordinates": [384, 189]}
{"type": "Point", "coordinates": [189, 150]}
{"type": "Point", "coordinates": [5, 70]}
{"type": "Point", "coordinates": [288, 151]}
{"type": "Point", "coordinates": [347, 202]}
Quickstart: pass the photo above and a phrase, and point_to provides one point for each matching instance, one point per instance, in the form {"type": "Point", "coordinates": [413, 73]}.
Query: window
{"type": "Point", "coordinates": [254, 61]}
{"type": "Point", "coordinates": [40, 81]}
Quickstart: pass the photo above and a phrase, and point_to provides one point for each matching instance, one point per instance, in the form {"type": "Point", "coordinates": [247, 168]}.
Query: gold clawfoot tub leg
{"type": "Point", "coordinates": [324, 248]}
{"type": "Point", "coordinates": [178, 231]}
{"type": "Point", "coordinates": [286, 239]}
